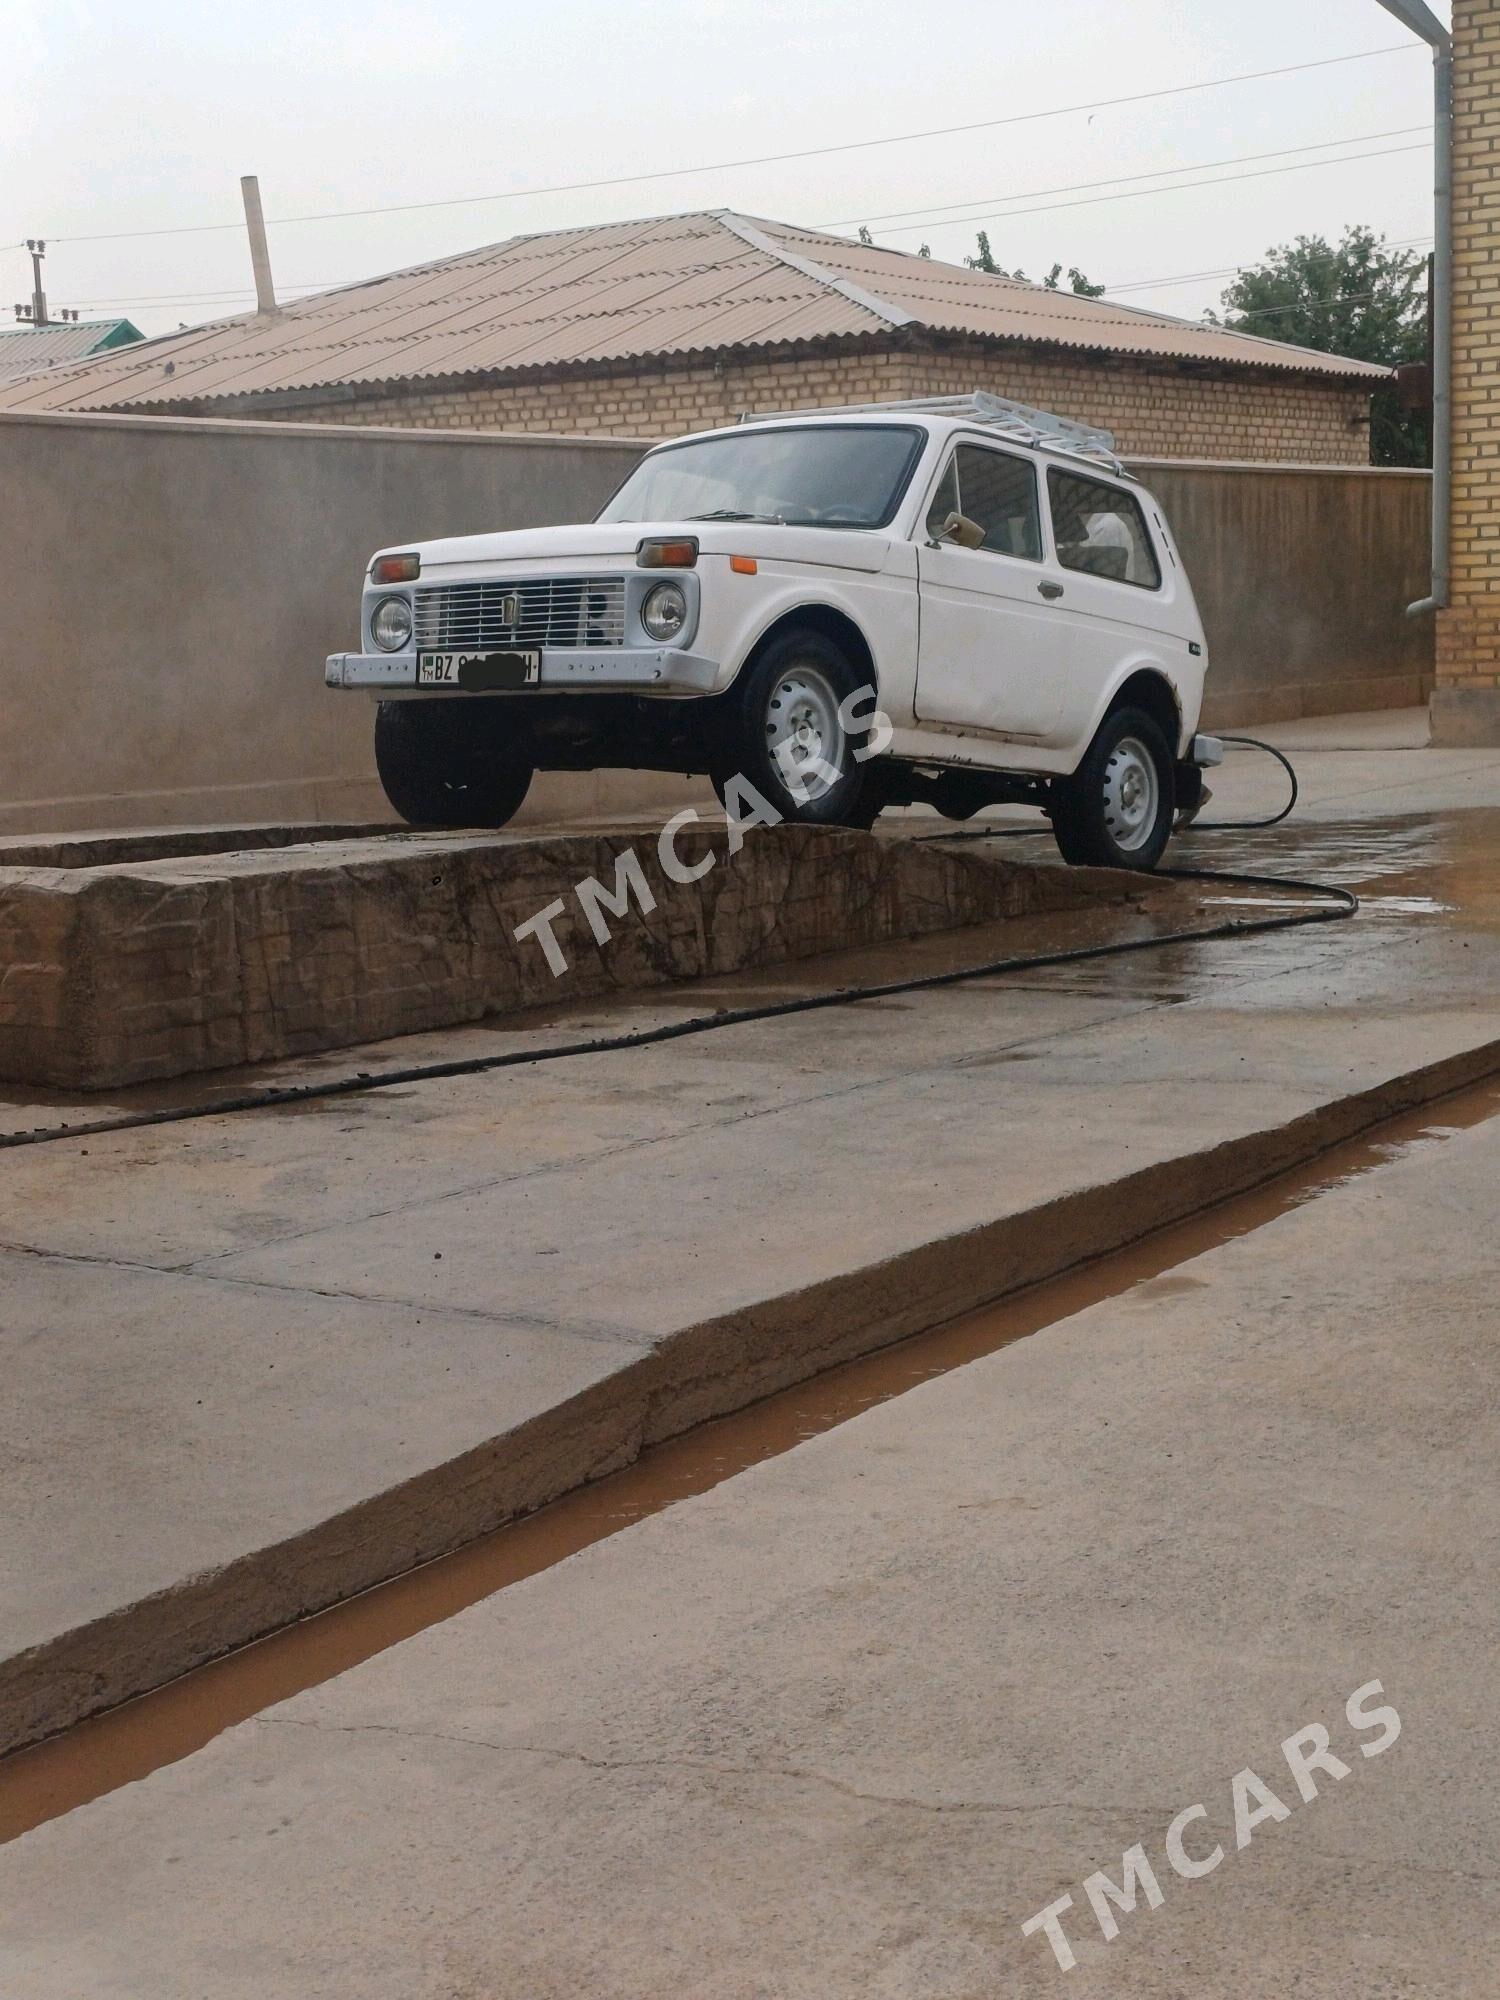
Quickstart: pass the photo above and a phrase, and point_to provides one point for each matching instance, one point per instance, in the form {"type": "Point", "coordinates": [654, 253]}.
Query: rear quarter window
{"type": "Point", "coordinates": [1100, 530]}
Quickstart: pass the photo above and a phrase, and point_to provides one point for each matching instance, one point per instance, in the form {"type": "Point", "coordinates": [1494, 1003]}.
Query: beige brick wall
{"type": "Point", "coordinates": [1163, 412]}
{"type": "Point", "coordinates": [1468, 645]}
{"type": "Point", "coordinates": [1154, 410]}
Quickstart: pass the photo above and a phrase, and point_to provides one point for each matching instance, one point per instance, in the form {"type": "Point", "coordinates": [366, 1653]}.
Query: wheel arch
{"type": "Point", "coordinates": [1149, 689]}
{"type": "Point", "coordinates": [820, 617]}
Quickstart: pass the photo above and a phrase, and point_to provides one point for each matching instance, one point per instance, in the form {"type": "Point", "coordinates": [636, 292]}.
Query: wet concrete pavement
{"type": "Point", "coordinates": [261, 1361]}
{"type": "Point", "coordinates": [844, 1724]}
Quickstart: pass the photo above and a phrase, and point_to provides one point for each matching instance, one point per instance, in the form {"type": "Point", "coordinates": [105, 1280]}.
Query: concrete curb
{"type": "Point", "coordinates": [695, 1373]}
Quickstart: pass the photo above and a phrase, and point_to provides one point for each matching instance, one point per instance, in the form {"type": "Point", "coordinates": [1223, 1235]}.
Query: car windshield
{"type": "Point", "coordinates": [807, 476]}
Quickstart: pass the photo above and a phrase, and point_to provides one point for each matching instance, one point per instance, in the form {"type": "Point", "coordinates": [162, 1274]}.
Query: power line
{"type": "Point", "coordinates": [1111, 291]}
{"type": "Point", "coordinates": [311, 285]}
{"type": "Point", "coordinates": [315, 285]}
{"type": "Point", "coordinates": [1117, 180]}
{"type": "Point", "coordinates": [1134, 194]}
{"type": "Point", "coordinates": [763, 159]}
{"type": "Point", "coordinates": [220, 292]}
{"type": "Point", "coordinates": [1303, 305]}
{"type": "Point", "coordinates": [1228, 271]}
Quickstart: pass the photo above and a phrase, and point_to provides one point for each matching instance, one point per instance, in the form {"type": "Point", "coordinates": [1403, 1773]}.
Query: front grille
{"type": "Point", "coordinates": [571, 611]}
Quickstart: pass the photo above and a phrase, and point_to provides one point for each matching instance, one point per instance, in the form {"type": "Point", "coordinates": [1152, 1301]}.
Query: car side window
{"type": "Point", "coordinates": [998, 493]}
{"type": "Point", "coordinates": [1101, 530]}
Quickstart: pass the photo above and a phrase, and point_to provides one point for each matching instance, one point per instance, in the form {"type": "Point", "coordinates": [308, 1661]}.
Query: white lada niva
{"type": "Point", "coordinates": [961, 602]}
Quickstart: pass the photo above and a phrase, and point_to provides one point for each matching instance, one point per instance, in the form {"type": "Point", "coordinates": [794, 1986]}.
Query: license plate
{"type": "Point", "coordinates": [479, 672]}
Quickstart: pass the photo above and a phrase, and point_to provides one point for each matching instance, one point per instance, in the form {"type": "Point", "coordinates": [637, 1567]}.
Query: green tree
{"type": "Point", "coordinates": [1077, 282]}
{"type": "Point", "coordinates": [1360, 299]}
{"type": "Point", "coordinates": [985, 261]}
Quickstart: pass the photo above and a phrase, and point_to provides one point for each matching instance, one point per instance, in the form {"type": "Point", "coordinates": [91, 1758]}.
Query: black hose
{"type": "Point", "coordinates": [1344, 903]}
{"type": "Point", "coordinates": [1249, 825]}
{"type": "Point", "coordinates": [1193, 825]}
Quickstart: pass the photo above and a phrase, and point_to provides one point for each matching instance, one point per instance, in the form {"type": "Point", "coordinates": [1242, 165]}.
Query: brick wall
{"type": "Point", "coordinates": [1154, 410]}
{"type": "Point", "coordinates": [1466, 700]}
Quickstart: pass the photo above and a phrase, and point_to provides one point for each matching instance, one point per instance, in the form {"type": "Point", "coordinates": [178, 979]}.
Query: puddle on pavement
{"type": "Point", "coordinates": [128, 1743]}
{"type": "Point", "coordinates": [1405, 906]}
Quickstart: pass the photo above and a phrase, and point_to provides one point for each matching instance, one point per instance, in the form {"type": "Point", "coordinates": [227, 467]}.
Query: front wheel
{"type": "Point", "coordinates": [1116, 809]}
{"type": "Point", "coordinates": [788, 735]}
{"type": "Point", "coordinates": [443, 763]}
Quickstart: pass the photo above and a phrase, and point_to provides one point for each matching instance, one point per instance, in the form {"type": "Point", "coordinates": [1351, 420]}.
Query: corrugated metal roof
{"type": "Point", "coordinates": [25, 348]}
{"type": "Point", "coordinates": [625, 291]}
{"type": "Point", "coordinates": [950, 298]}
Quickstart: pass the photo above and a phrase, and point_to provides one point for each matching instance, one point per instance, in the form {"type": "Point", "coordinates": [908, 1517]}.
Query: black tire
{"type": "Point", "coordinates": [801, 672]}
{"type": "Point", "coordinates": [1116, 810]}
{"type": "Point", "coordinates": [443, 763]}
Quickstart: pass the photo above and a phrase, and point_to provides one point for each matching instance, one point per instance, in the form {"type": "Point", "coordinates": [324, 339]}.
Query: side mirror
{"type": "Point", "coordinates": [959, 528]}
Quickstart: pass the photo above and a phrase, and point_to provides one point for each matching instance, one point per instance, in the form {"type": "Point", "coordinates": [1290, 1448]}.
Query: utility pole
{"type": "Point", "coordinates": [38, 251]}
{"type": "Point", "coordinates": [260, 253]}
{"type": "Point", "coordinates": [1419, 17]}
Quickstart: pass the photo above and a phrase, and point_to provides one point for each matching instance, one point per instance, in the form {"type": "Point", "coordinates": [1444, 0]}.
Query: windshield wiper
{"type": "Point", "coordinates": [736, 514]}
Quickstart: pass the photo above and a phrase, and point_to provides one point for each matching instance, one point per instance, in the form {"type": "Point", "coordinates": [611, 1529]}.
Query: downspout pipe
{"type": "Point", "coordinates": [1442, 339]}
{"type": "Point", "coordinates": [1417, 16]}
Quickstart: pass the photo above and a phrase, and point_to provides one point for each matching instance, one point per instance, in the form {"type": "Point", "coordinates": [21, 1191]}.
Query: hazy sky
{"type": "Point", "coordinates": [119, 117]}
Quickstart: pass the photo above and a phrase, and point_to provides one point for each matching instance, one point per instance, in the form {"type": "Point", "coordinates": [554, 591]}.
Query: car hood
{"type": "Point", "coordinates": [615, 542]}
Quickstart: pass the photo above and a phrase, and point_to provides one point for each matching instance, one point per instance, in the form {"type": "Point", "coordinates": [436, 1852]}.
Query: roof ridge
{"type": "Point", "coordinates": [741, 226]}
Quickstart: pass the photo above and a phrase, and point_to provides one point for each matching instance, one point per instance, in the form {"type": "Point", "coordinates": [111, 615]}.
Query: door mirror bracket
{"type": "Point", "coordinates": [960, 529]}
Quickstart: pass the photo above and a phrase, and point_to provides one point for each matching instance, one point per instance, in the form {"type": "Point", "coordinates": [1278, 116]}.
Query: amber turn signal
{"type": "Point", "coordinates": [396, 569]}
{"type": "Point", "coordinates": [679, 553]}
{"type": "Point", "coordinates": [743, 565]}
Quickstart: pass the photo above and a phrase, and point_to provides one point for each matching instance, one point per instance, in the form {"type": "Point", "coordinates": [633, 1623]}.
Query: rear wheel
{"type": "Point", "coordinates": [787, 738]}
{"type": "Point", "coordinates": [444, 763]}
{"type": "Point", "coordinates": [1116, 809]}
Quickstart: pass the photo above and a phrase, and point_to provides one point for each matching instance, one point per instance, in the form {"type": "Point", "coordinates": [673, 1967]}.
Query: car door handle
{"type": "Point", "coordinates": [1050, 590]}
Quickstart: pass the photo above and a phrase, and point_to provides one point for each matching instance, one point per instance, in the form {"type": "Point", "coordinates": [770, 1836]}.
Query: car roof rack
{"type": "Point", "coordinates": [1041, 429]}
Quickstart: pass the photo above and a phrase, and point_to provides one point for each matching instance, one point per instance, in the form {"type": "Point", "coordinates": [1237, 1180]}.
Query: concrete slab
{"type": "Point", "coordinates": [739, 1210]}
{"type": "Point", "coordinates": [843, 1725]}
{"type": "Point", "coordinates": [121, 966]}
{"type": "Point", "coordinates": [187, 1404]}
{"type": "Point", "coordinates": [27, 1109]}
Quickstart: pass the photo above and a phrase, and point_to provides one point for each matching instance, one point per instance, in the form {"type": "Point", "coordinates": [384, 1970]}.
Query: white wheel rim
{"type": "Point", "coordinates": [1132, 794]}
{"type": "Point", "coordinates": [802, 731]}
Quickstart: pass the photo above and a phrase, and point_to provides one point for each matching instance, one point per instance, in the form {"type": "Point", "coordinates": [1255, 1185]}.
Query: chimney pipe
{"type": "Point", "coordinates": [260, 255]}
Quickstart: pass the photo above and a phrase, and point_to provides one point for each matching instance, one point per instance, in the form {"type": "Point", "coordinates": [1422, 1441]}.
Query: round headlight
{"type": "Point", "coordinates": [390, 627]}
{"type": "Point", "coordinates": [664, 612]}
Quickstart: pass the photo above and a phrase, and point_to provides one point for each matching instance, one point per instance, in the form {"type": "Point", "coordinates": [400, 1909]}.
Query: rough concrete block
{"type": "Point", "coordinates": [122, 968]}
{"type": "Point", "coordinates": [1465, 718]}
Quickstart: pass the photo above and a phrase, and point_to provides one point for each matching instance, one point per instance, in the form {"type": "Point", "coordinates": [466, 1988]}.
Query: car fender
{"type": "Point", "coordinates": [881, 606]}
{"type": "Point", "coordinates": [1184, 681]}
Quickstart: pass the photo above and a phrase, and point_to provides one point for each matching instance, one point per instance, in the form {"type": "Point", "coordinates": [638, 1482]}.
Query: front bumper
{"type": "Point", "coordinates": [637, 669]}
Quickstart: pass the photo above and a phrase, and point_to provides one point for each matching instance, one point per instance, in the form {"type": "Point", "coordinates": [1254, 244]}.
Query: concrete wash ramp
{"type": "Point", "coordinates": [259, 1362]}
{"type": "Point", "coordinates": [155, 956]}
